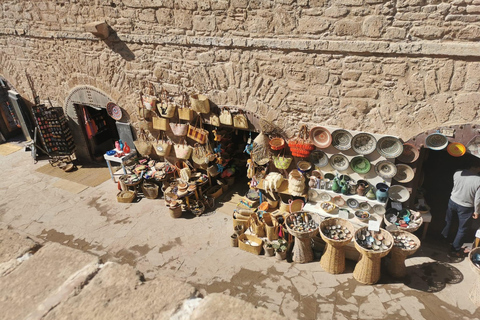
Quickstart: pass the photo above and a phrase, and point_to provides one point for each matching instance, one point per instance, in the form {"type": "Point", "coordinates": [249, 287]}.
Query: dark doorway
{"type": "Point", "coordinates": [439, 168]}
{"type": "Point", "coordinates": [99, 130]}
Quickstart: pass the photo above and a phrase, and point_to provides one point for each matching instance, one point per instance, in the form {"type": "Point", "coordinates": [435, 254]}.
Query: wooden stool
{"type": "Point", "coordinates": [475, 292]}
{"type": "Point", "coordinates": [333, 258]}
{"type": "Point", "coordinates": [396, 266]}
{"type": "Point", "coordinates": [367, 270]}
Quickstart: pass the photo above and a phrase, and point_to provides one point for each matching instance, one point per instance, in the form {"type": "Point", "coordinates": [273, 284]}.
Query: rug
{"type": "Point", "coordinates": [8, 148]}
{"type": "Point", "coordinates": [69, 186]}
{"type": "Point", "coordinates": [88, 176]}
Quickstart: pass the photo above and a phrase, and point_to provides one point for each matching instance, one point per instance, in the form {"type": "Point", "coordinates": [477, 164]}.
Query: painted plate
{"type": "Point", "coordinates": [364, 143]}
{"type": "Point", "coordinates": [352, 203]}
{"type": "Point", "coordinates": [404, 174]}
{"type": "Point", "coordinates": [321, 137]}
{"type": "Point", "coordinates": [379, 209]}
{"type": "Point", "coordinates": [386, 169]}
{"type": "Point", "coordinates": [341, 139]}
{"type": "Point", "coordinates": [313, 195]}
{"type": "Point", "coordinates": [114, 111]}
{"type": "Point", "coordinates": [323, 196]}
{"type": "Point", "coordinates": [436, 141]}
{"type": "Point", "coordinates": [456, 149]}
{"type": "Point", "coordinates": [360, 164]}
{"type": "Point", "coordinates": [318, 158]}
{"type": "Point", "coordinates": [364, 206]}
{"type": "Point", "coordinates": [389, 147]}
{"type": "Point", "coordinates": [338, 201]}
{"type": "Point", "coordinates": [339, 162]}
{"type": "Point", "coordinates": [398, 193]}
{"type": "Point", "coordinates": [410, 153]}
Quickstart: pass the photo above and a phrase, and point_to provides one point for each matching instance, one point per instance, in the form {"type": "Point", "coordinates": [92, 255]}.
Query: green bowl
{"type": "Point", "coordinates": [360, 165]}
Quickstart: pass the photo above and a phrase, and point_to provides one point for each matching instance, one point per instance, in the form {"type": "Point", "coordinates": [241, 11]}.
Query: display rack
{"type": "Point", "coordinates": [54, 131]}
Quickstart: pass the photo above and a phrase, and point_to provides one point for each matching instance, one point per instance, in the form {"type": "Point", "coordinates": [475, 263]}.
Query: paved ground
{"type": "Point", "coordinates": [197, 251]}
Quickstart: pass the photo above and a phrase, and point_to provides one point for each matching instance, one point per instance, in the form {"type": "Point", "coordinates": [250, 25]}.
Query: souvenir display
{"type": "Point", "coordinates": [341, 139]}
{"type": "Point", "coordinates": [364, 143]}
{"type": "Point", "coordinates": [404, 245]}
{"type": "Point", "coordinates": [301, 145]}
{"type": "Point", "coordinates": [114, 111]}
{"type": "Point", "coordinates": [336, 233]}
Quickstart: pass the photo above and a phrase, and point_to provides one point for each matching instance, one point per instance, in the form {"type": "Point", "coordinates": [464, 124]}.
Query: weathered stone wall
{"type": "Point", "coordinates": [397, 67]}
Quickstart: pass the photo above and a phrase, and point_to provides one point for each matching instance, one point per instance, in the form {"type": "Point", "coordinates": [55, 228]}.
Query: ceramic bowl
{"type": "Point", "coordinates": [313, 195]}
{"type": "Point", "coordinates": [364, 143]}
{"type": "Point", "coordinates": [323, 196]}
{"type": "Point", "coordinates": [436, 141]}
{"type": "Point", "coordinates": [341, 139]}
{"type": "Point", "coordinates": [456, 149]}
{"type": "Point", "coordinates": [329, 176]}
{"type": "Point", "coordinates": [379, 209]}
{"type": "Point", "coordinates": [404, 174]}
{"type": "Point", "coordinates": [321, 137]}
{"type": "Point", "coordinates": [386, 169]}
{"type": "Point", "coordinates": [365, 206]}
{"type": "Point", "coordinates": [339, 162]}
{"type": "Point", "coordinates": [318, 158]}
{"type": "Point", "coordinates": [360, 165]}
{"type": "Point", "coordinates": [352, 203]}
{"type": "Point", "coordinates": [338, 201]}
{"type": "Point", "coordinates": [304, 166]}
{"type": "Point", "coordinates": [410, 153]}
{"type": "Point", "coordinates": [362, 215]}
{"type": "Point", "coordinates": [398, 193]}
{"type": "Point", "coordinates": [389, 147]}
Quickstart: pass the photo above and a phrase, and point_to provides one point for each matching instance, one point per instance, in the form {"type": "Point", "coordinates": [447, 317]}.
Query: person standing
{"type": "Point", "coordinates": [464, 203]}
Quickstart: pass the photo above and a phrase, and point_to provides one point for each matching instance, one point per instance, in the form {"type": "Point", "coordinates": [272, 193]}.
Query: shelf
{"type": "Point", "coordinates": [283, 188]}
{"type": "Point", "coordinates": [352, 196]}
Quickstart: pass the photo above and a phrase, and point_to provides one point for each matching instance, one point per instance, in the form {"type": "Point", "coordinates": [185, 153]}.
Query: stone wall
{"type": "Point", "coordinates": [398, 67]}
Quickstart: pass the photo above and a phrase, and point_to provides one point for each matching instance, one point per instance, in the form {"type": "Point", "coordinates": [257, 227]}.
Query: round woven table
{"type": "Point", "coordinates": [475, 292]}
{"type": "Point", "coordinates": [396, 266]}
{"type": "Point", "coordinates": [333, 258]}
{"type": "Point", "coordinates": [367, 270]}
{"type": "Point", "coordinates": [302, 249]}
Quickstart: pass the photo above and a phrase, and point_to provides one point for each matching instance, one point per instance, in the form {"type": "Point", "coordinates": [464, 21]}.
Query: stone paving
{"type": "Point", "coordinates": [197, 252]}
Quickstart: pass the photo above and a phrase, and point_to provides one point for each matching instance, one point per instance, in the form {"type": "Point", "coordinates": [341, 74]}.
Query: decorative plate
{"type": "Point", "coordinates": [404, 174]}
{"type": "Point", "coordinates": [313, 195]}
{"type": "Point", "coordinates": [389, 147]}
{"type": "Point", "coordinates": [364, 206]}
{"type": "Point", "coordinates": [323, 196]}
{"type": "Point", "coordinates": [398, 193]}
{"type": "Point", "coordinates": [352, 203]}
{"type": "Point", "coordinates": [379, 209]}
{"type": "Point", "coordinates": [410, 153]}
{"type": "Point", "coordinates": [338, 201]}
{"type": "Point", "coordinates": [436, 141]}
{"type": "Point", "coordinates": [360, 164]}
{"type": "Point", "coordinates": [385, 169]}
{"type": "Point", "coordinates": [341, 139]}
{"type": "Point", "coordinates": [321, 137]}
{"type": "Point", "coordinates": [114, 111]}
{"type": "Point", "coordinates": [364, 143]}
{"type": "Point", "coordinates": [456, 149]}
{"type": "Point", "coordinates": [318, 158]}
{"type": "Point", "coordinates": [339, 162]}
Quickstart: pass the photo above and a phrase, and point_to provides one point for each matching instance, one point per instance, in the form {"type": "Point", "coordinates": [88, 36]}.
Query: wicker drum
{"type": "Point", "coordinates": [475, 293]}
{"type": "Point", "coordinates": [396, 266]}
{"type": "Point", "coordinates": [333, 258]}
{"type": "Point", "coordinates": [302, 249]}
{"type": "Point", "coordinates": [367, 270]}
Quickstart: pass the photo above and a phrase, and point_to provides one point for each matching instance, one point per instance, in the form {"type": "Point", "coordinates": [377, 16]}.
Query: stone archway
{"type": "Point", "coordinates": [84, 95]}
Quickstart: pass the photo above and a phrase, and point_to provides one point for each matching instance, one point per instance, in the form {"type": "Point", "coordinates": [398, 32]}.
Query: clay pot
{"type": "Point", "coordinates": [361, 188]}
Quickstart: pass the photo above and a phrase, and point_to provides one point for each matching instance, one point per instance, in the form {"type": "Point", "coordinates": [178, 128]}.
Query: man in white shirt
{"type": "Point", "coordinates": [465, 204]}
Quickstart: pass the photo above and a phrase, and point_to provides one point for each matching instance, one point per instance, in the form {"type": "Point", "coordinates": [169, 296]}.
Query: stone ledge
{"type": "Point", "coordinates": [420, 48]}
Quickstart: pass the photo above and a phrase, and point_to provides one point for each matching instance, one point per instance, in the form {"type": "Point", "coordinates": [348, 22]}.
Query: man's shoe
{"type": "Point", "coordinates": [456, 254]}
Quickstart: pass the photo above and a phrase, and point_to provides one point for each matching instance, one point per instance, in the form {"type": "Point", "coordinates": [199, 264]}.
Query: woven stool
{"type": "Point", "coordinates": [302, 249]}
{"type": "Point", "coordinates": [333, 258]}
{"type": "Point", "coordinates": [475, 293]}
{"type": "Point", "coordinates": [396, 266]}
{"type": "Point", "coordinates": [367, 270]}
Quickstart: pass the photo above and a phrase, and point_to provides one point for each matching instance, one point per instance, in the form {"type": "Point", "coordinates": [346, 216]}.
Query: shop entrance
{"type": "Point", "coordinates": [10, 126]}
{"type": "Point", "coordinates": [99, 130]}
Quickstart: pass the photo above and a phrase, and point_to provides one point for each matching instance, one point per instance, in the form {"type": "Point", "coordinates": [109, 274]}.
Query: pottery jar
{"type": "Point", "coordinates": [382, 195]}
{"type": "Point", "coordinates": [361, 189]}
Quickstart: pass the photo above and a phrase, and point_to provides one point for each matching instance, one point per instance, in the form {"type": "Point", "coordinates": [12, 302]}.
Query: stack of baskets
{"type": "Point", "coordinates": [296, 183]}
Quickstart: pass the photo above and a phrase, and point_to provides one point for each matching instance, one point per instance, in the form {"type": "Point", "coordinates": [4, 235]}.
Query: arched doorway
{"type": "Point", "coordinates": [87, 102]}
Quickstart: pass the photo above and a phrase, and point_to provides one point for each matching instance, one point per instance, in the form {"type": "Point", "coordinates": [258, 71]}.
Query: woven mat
{"type": "Point", "coordinates": [8, 148]}
{"type": "Point", "coordinates": [87, 176]}
{"type": "Point", "coordinates": [69, 186]}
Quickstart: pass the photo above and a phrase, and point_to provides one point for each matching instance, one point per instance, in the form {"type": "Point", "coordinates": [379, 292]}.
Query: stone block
{"type": "Point", "coordinates": [467, 105]}
{"type": "Point", "coordinates": [347, 28]}
{"type": "Point", "coordinates": [165, 17]}
{"type": "Point", "coordinates": [204, 23]}
{"type": "Point", "coordinates": [284, 21]}
{"type": "Point", "coordinates": [317, 75]}
{"type": "Point", "coordinates": [186, 4]}
{"type": "Point", "coordinates": [397, 69]}
{"type": "Point", "coordinates": [312, 24]}
{"type": "Point", "coordinates": [240, 4]}
{"type": "Point", "coordinates": [444, 74]}
{"type": "Point", "coordinates": [472, 79]}
{"type": "Point", "coordinates": [473, 9]}
{"type": "Point", "coordinates": [427, 32]}
{"type": "Point", "coordinates": [459, 73]}
{"type": "Point", "coordinates": [336, 12]}
{"type": "Point", "coordinates": [395, 33]}
{"type": "Point", "coordinates": [147, 15]}
{"type": "Point", "coordinates": [351, 75]}
{"type": "Point", "coordinates": [14, 245]}
{"type": "Point", "coordinates": [471, 33]}
{"type": "Point", "coordinates": [38, 278]}
{"type": "Point", "coordinates": [431, 86]}
{"type": "Point", "coordinates": [183, 19]}
{"type": "Point", "coordinates": [363, 93]}
{"type": "Point", "coordinates": [373, 26]}
{"type": "Point", "coordinates": [221, 306]}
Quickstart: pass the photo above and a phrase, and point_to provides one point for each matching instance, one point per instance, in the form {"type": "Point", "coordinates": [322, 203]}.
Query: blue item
{"type": "Point", "coordinates": [111, 152]}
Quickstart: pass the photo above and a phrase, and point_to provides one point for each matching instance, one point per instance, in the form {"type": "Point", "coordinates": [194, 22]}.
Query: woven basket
{"type": "Point", "coordinates": [164, 151]}
{"type": "Point", "coordinates": [284, 205]}
{"type": "Point", "coordinates": [143, 148]}
{"type": "Point", "coordinates": [197, 208]}
{"type": "Point", "coordinates": [271, 227]}
{"type": "Point", "coordinates": [150, 190]}
{"type": "Point", "coordinates": [367, 270]}
{"type": "Point", "coordinates": [298, 234]}
{"type": "Point", "coordinates": [277, 143]}
{"type": "Point", "coordinates": [175, 212]}
{"type": "Point", "coordinates": [256, 226]}
{"type": "Point", "coordinates": [126, 196]}
{"type": "Point", "coordinates": [200, 103]}
{"type": "Point", "coordinates": [282, 162]}
{"type": "Point", "coordinates": [396, 266]}
{"type": "Point", "coordinates": [408, 229]}
{"type": "Point", "coordinates": [249, 248]}
{"type": "Point", "coordinates": [295, 205]}
{"type": "Point", "coordinates": [240, 220]}
{"type": "Point", "coordinates": [272, 201]}
{"type": "Point", "coordinates": [123, 182]}
{"type": "Point", "coordinates": [215, 192]}
{"type": "Point", "coordinates": [333, 258]}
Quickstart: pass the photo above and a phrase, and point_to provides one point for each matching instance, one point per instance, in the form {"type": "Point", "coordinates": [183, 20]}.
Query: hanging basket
{"type": "Point", "coordinates": [301, 146]}
{"type": "Point", "coordinates": [200, 103]}
{"type": "Point", "coordinates": [277, 144]}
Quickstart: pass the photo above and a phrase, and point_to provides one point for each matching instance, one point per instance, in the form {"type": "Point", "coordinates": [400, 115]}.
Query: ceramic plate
{"type": "Point", "coordinates": [338, 201]}
{"type": "Point", "coordinates": [352, 203]}
{"type": "Point", "coordinates": [339, 162]}
{"type": "Point", "coordinates": [379, 209]}
{"type": "Point", "coordinates": [410, 153]}
{"type": "Point", "coordinates": [436, 141]}
{"type": "Point", "coordinates": [404, 174]}
{"type": "Point", "coordinates": [364, 143]}
{"type": "Point", "coordinates": [456, 149]}
{"type": "Point", "coordinates": [321, 137]}
{"type": "Point", "coordinates": [389, 147]}
{"type": "Point", "coordinates": [114, 111]}
{"type": "Point", "coordinates": [398, 193]}
{"type": "Point", "coordinates": [360, 165]}
{"type": "Point", "coordinates": [341, 139]}
{"type": "Point", "coordinates": [313, 195]}
{"type": "Point", "coordinates": [364, 206]}
{"type": "Point", "coordinates": [385, 169]}
{"type": "Point", "coordinates": [318, 158]}
{"type": "Point", "coordinates": [323, 196]}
